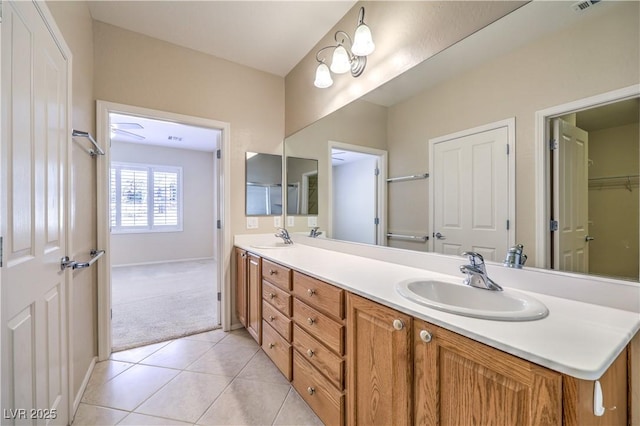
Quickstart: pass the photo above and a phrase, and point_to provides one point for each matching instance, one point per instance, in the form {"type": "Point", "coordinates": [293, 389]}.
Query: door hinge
{"type": "Point", "coordinates": [507, 224]}
{"type": "Point", "coordinates": [219, 296]}
{"type": "Point", "coordinates": [111, 313]}
{"type": "Point", "coordinates": [219, 224]}
{"type": "Point", "coordinates": [376, 221]}
{"type": "Point", "coordinates": [553, 225]}
{"type": "Point", "coordinates": [376, 172]}
{"type": "Point", "coordinates": [553, 144]}
{"type": "Point", "coordinates": [507, 149]}
{"type": "Point", "coordinates": [1, 247]}
{"type": "Point", "coordinates": [219, 154]}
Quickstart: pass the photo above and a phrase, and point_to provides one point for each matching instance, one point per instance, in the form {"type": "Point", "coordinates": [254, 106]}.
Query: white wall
{"type": "Point", "coordinates": [196, 238]}
{"type": "Point", "coordinates": [354, 207]}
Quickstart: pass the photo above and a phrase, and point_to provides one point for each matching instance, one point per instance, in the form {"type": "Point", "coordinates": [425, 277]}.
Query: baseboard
{"type": "Point", "coordinates": [195, 259]}
{"type": "Point", "coordinates": [236, 326]}
{"type": "Point", "coordinates": [83, 387]}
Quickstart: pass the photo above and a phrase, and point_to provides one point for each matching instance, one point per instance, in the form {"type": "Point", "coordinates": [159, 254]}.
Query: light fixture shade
{"type": "Point", "coordinates": [362, 41]}
{"type": "Point", "coordinates": [340, 61]}
{"type": "Point", "coordinates": [323, 77]}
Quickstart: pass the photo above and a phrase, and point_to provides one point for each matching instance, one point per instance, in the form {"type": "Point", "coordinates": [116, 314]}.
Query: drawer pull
{"type": "Point", "coordinates": [272, 272]}
{"type": "Point", "coordinates": [311, 353]}
{"type": "Point", "coordinates": [398, 324]}
{"type": "Point", "coordinates": [311, 390]}
{"type": "Point", "coordinates": [311, 321]}
{"type": "Point", "coordinates": [272, 295]}
{"type": "Point", "coordinates": [271, 318]}
{"type": "Point", "coordinates": [311, 292]}
{"type": "Point", "coordinates": [271, 345]}
{"type": "Point", "coordinates": [425, 336]}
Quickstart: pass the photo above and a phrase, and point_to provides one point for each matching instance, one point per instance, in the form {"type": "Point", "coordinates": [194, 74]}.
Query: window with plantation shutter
{"type": "Point", "coordinates": [145, 198]}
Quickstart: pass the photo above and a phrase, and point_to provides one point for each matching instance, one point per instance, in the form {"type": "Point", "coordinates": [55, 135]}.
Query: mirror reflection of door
{"type": "Point", "coordinates": [595, 201]}
{"type": "Point", "coordinates": [354, 188]}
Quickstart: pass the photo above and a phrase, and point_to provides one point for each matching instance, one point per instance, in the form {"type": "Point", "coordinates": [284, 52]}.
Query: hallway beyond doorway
{"type": "Point", "coordinates": [159, 302]}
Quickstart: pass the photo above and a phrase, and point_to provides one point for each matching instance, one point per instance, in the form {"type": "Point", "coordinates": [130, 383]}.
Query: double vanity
{"type": "Point", "coordinates": [372, 335]}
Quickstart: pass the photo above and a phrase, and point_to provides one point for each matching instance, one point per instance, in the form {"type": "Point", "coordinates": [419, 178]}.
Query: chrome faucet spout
{"type": "Point", "coordinates": [284, 234]}
{"type": "Point", "coordinates": [476, 273]}
{"type": "Point", "coordinates": [314, 233]}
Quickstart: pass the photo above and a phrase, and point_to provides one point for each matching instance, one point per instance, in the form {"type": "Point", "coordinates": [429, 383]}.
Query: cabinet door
{"type": "Point", "coordinates": [254, 297]}
{"type": "Point", "coordinates": [379, 364]}
{"type": "Point", "coordinates": [241, 286]}
{"type": "Point", "coordinates": [458, 381]}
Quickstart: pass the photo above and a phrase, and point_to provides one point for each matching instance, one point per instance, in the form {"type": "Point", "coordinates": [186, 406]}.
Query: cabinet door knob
{"type": "Point", "coordinates": [271, 345]}
{"type": "Point", "coordinates": [398, 324]}
{"type": "Point", "coordinates": [311, 390]}
{"type": "Point", "coordinates": [311, 292]}
{"type": "Point", "coordinates": [311, 321]}
{"type": "Point", "coordinates": [272, 272]}
{"type": "Point", "coordinates": [271, 317]}
{"type": "Point", "coordinates": [272, 295]}
{"type": "Point", "coordinates": [310, 352]}
{"type": "Point", "coordinates": [244, 255]}
{"type": "Point", "coordinates": [425, 336]}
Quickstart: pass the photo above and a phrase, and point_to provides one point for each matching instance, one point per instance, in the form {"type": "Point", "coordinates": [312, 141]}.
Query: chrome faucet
{"type": "Point", "coordinates": [284, 234]}
{"type": "Point", "coordinates": [515, 258]}
{"type": "Point", "coordinates": [314, 232]}
{"type": "Point", "coordinates": [477, 273]}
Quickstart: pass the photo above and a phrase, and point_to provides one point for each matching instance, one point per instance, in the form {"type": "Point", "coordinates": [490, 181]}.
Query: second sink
{"type": "Point", "coordinates": [507, 305]}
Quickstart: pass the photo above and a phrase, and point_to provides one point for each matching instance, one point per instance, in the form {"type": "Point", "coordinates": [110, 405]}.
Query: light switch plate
{"type": "Point", "coordinates": [277, 221]}
{"type": "Point", "coordinates": [291, 221]}
{"type": "Point", "coordinates": [312, 221]}
{"type": "Point", "coordinates": [252, 223]}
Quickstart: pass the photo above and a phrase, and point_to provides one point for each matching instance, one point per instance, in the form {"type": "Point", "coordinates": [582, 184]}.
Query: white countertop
{"type": "Point", "coordinates": [576, 338]}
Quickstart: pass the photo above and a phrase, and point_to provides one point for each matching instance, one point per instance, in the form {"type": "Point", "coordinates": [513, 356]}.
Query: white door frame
{"type": "Point", "coordinates": [381, 234]}
{"type": "Point", "coordinates": [543, 156]}
{"type": "Point", "coordinates": [223, 240]}
{"type": "Point", "coordinates": [510, 124]}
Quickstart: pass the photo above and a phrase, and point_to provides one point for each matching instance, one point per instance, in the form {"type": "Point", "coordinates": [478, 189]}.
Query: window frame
{"type": "Point", "coordinates": [150, 169]}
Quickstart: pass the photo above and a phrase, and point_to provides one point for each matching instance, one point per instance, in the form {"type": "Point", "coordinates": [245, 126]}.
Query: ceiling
{"type": "Point", "coordinates": [271, 36]}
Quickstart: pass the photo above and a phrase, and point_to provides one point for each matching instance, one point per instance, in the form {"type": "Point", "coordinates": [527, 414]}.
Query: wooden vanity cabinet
{"type": "Point", "coordinates": [241, 286]}
{"type": "Point", "coordinates": [254, 297]}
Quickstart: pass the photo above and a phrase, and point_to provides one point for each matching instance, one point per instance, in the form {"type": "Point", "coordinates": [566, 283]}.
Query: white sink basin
{"type": "Point", "coordinates": [274, 245]}
{"type": "Point", "coordinates": [507, 305]}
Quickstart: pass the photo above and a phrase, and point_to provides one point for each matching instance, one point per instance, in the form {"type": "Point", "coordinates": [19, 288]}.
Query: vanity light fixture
{"type": "Point", "coordinates": [343, 60]}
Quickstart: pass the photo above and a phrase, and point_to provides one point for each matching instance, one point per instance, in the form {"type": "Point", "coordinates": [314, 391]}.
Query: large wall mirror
{"type": "Point", "coordinates": [540, 56]}
{"type": "Point", "coordinates": [263, 184]}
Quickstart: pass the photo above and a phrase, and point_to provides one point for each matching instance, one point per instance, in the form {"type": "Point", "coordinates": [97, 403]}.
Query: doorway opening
{"type": "Point", "coordinates": [162, 197]}
{"type": "Point", "coordinates": [357, 177]}
{"type": "Point", "coordinates": [592, 203]}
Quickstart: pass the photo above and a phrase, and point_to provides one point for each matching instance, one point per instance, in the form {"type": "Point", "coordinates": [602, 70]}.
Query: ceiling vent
{"type": "Point", "coordinates": [582, 5]}
{"type": "Point", "coordinates": [175, 138]}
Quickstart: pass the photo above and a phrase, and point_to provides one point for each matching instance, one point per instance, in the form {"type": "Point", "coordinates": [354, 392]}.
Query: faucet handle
{"type": "Point", "coordinates": [475, 259]}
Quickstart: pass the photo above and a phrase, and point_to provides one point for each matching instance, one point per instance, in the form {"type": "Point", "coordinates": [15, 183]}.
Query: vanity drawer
{"type": "Point", "coordinates": [324, 360]}
{"type": "Point", "coordinates": [325, 400]}
{"type": "Point", "coordinates": [281, 300]}
{"type": "Point", "coordinates": [320, 295]}
{"type": "Point", "coordinates": [276, 348]}
{"type": "Point", "coordinates": [277, 320]}
{"type": "Point", "coordinates": [276, 274]}
{"type": "Point", "coordinates": [319, 325]}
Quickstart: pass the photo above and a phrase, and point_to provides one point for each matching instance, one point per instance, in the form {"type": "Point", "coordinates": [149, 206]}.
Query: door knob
{"type": "Point", "coordinates": [425, 336]}
{"type": "Point", "coordinates": [439, 236]}
{"type": "Point", "coordinates": [589, 238]}
{"type": "Point", "coordinates": [398, 324]}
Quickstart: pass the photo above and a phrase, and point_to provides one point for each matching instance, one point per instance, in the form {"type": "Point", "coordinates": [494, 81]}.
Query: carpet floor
{"type": "Point", "coordinates": [154, 303]}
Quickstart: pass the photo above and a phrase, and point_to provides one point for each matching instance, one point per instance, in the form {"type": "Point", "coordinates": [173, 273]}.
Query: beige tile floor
{"type": "Point", "coordinates": [213, 378]}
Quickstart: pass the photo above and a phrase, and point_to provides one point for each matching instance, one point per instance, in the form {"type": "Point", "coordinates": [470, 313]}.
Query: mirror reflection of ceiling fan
{"type": "Point", "coordinates": [123, 129]}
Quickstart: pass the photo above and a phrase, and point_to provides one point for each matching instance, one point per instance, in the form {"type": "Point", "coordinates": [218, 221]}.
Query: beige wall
{"type": "Point", "coordinates": [613, 211]}
{"type": "Point", "coordinates": [195, 241]}
{"type": "Point", "coordinates": [75, 23]}
{"type": "Point", "coordinates": [405, 33]}
{"type": "Point", "coordinates": [313, 142]}
{"type": "Point", "coordinates": [538, 76]}
{"type": "Point", "coordinates": [137, 70]}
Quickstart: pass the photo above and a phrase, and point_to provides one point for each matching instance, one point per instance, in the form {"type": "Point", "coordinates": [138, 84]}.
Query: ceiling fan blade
{"type": "Point", "coordinates": [128, 126]}
{"type": "Point", "coordinates": [133, 135]}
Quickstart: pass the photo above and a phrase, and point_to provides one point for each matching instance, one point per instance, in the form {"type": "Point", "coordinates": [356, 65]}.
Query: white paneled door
{"type": "Point", "coordinates": [571, 197]}
{"type": "Point", "coordinates": [470, 198]}
{"type": "Point", "coordinates": [34, 165]}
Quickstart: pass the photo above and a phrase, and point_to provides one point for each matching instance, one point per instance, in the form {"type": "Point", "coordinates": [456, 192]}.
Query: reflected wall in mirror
{"type": "Point", "coordinates": [302, 186]}
{"type": "Point", "coordinates": [542, 55]}
{"type": "Point", "coordinates": [263, 184]}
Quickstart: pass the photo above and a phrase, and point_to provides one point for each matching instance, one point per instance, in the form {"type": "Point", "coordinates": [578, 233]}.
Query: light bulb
{"type": "Point", "coordinates": [362, 41]}
{"type": "Point", "coordinates": [340, 61]}
{"type": "Point", "coordinates": [323, 77]}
